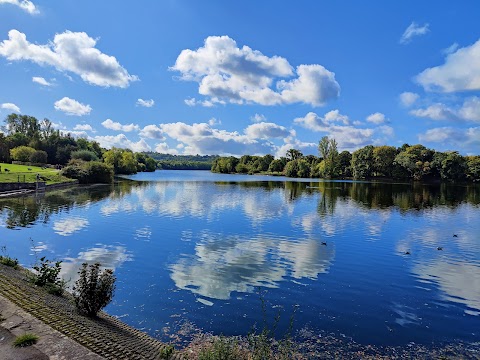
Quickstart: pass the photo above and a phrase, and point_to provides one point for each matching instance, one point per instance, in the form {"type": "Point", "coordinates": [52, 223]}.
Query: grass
{"type": "Point", "coordinates": [7, 260]}
{"type": "Point", "coordinates": [26, 173]}
{"type": "Point", "coordinates": [25, 340]}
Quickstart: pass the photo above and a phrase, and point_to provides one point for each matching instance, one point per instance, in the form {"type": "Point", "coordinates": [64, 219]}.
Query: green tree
{"type": "Point", "coordinates": [416, 160]}
{"type": "Point", "coordinates": [327, 149]}
{"type": "Point", "coordinates": [85, 155]}
{"type": "Point", "coordinates": [454, 167]}
{"type": "Point", "coordinates": [473, 168]}
{"type": "Point", "coordinates": [383, 158]}
{"type": "Point", "coordinates": [294, 154]}
{"type": "Point", "coordinates": [277, 165]}
{"type": "Point", "coordinates": [344, 164]}
{"type": "Point", "coordinates": [39, 157]}
{"type": "Point", "coordinates": [22, 153]}
{"type": "Point", "coordinates": [362, 162]}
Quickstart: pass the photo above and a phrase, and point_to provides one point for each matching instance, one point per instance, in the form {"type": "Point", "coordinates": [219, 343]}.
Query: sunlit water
{"type": "Point", "coordinates": [207, 248]}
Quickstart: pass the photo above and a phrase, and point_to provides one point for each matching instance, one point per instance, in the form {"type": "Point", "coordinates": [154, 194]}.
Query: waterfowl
{"type": "Point", "coordinates": [324, 243]}
{"type": "Point", "coordinates": [439, 248]}
{"type": "Point", "coordinates": [407, 252]}
{"type": "Point", "coordinates": [455, 235]}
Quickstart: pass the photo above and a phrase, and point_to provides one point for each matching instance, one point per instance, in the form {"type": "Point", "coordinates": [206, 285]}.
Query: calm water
{"type": "Point", "coordinates": [203, 247]}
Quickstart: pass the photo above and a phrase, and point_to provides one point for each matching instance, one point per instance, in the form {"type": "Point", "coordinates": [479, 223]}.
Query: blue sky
{"type": "Point", "coordinates": [246, 77]}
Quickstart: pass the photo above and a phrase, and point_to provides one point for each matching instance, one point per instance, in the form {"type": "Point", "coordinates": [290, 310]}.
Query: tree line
{"type": "Point", "coordinates": [25, 139]}
{"type": "Point", "coordinates": [414, 162]}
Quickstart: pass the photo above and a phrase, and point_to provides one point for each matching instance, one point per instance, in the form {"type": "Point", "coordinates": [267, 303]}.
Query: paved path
{"type": "Point", "coordinates": [105, 336]}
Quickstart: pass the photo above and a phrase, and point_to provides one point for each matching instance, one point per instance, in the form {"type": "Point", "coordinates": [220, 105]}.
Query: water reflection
{"type": "Point", "coordinates": [69, 225]}
{"type": "Point", "coordinates": [222, 265]}
{"type": "Point", "coordinates": [110, 257]}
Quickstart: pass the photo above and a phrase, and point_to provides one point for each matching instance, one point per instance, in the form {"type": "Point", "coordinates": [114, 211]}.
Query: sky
{"type": "Point", "coordinates": [246, 77]}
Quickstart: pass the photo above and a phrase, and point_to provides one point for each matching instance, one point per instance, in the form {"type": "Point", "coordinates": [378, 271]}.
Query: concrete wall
{"type": "Point", "coordinates": [16, 186]}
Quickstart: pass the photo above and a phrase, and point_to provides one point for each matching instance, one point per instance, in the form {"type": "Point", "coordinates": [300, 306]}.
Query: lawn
{"type": "Point", "coordinates": [25, 173]}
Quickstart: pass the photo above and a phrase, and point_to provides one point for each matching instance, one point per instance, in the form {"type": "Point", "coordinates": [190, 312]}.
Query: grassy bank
{"type": "Point", "coordinates": [24, 173]}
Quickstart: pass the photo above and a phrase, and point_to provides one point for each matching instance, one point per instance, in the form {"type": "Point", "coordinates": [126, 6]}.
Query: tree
{"type": "Point", "coordinates": [39, 157]}
{"type": "Point", "coordinates": [277, 165]}
{"type": "Point", "coordinates": [344, 161]}
{"type": "Point", "coordinates": [22, 153]}
{"type": "Point", "coordinates": [473, 168]}
{"type": "Point", "coordinates": [294, 154]}
{"type": "Point", "coordinates": [362, 162]}
{"type": "Point", "coordinates": [327, 149]}
{"type": "Point", "coordinates": [454, 167]}
{"type": "Point", "coordinates": [85, 155]}
{"type": "Point", "coordinates": [416, 160]}
{"type": "Point", "coordinates": [383, 158]}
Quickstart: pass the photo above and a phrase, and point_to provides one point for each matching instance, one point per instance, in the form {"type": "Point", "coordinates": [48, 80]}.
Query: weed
{"type": "Point", "coordinates": [166, 352]}
{"type": "Point", "coordinates": [25, 340]}
{"type": "Point", "coordinates": [47, 272]}
{"type": "Point", "coordinates": [7, 260]}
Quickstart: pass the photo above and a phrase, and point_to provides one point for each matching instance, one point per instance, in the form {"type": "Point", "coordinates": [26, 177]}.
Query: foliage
{"type": "Point", "coordinates": [362, 162]}
{"type": "Point", "coordinates": [344, 164]}
{"type": "Point", "coordinates": [167, 351]}
{"type": "Point", "coordinates": [94, 289]}
{"type": "Point", "coordinates": [221, 348]}
{"type": "Point", "coordinates": [294, 154]}
{"type": "Point", "coordinates": [39, 157]}
{"type": "Point", "coordinates": [225, 165]}
{"type": "Point", "coordinates": [416, 160]}
{"type": "Point", "coordinates": [277, 165]}
{"type": "Point", "coordinates": [89, 172]}
{"type": "Point", "coordinates": [122, 160]}
{"type": "Point", "coordinates": [22, 153]}
{"type": "Point", "coordinates": [47, 272]}
{"type": "Point", "coordinates": [26, 339]}
{"type": "Point", "coordinates": [5, 259]}
{"type": "Point", "coordinates": [85, 155]}
{"type": "Point", "coordinates": [383, 159]}
{"type": "Point", "coordinates": [327, 149]}
{"type": "Point", "coordinates": [184, 165]}
{"type": "Point", "coordinates": [473, 168]}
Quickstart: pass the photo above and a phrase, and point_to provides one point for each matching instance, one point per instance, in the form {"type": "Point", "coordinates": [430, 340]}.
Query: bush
{"type": "Point", "coordinates": [85, 155]}
{"type": "Point", "coordinates": [22, 153]}
{"type": "Point", "coordinates": [94, 289]}
{"type": "Point", "coordinates": [47, 273]}
{"type": "Point", "coordinates": [25, 340]}
{"type": "Point", "coordinates": [7, 260]}
{"type": "Point", "coordinates": [39, 157]}
{"type": "Point", "coordinates": [88, 172]}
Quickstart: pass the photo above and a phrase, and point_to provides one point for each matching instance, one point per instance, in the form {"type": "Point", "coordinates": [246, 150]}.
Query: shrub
{"type": "Point", "coordinates": [22, 153]}
{"type": "Point", "coordinates": [47, 273]}
{"type": "Point", "coordinates": [39, 157]}
{"type": "Point", "coordinates": [25, 340]}
{"type": "Point", "coordinates": [88, 172]}
{"type": "Point", "coordinates": [85, 155]}
{"type": "Point", "coordinates": [94, 289]}
{"type": "Point", "coordinates": [7, 260]}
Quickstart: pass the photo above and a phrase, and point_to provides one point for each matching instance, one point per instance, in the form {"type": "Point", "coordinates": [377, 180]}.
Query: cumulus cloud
{"type": "Point", "coordinates": [72, 107]}
{"type": "Point", "coordinates": [468, 111]}
{"type": "Point", "coordinates": [205, 103]}
{"type": "Point", "coordinates": [83, 127]}
{"type": "Point", "coordinates": [152, 132]}
{"type": "Point", "coordinates": [201, 138]}
{"type": "Point", "coordinates": [413, 30]}
{"type": "Point", "coordinates": [145, 103]}
{"type": "Point", "coordinates": [408, 98]}
{"type": "Point", "coordinates": [227, 73]}
{"type": "Point", "coordinates": [41, 81]}
{"type": "Point", "coordinates": [69, 52]}
{"type": "Point", "coordinates": [376, 118]}
{"type": "Point", "coordinates": [10, 107]}
{"type": "Point", "coordinates": [69, 226]}
{"type": "Point", "coordinates": [25, 5]}
{"type": "Point", "coordinates": [348, 137]}
{"type": "Point", "coordinates": [113, 125]}
{"type": "Point", "coordinates": [460, 72]}
{"type": "Point", "coordinates": [458, 138]}
{"type": "Point", "coordinates": [121, 141]}
{"type": "Point", "coordinates": [266, 130]}
{"type": "Point", "coordinates": [163, 148]}
{"type": "Point", "coordinates": [293, 143]}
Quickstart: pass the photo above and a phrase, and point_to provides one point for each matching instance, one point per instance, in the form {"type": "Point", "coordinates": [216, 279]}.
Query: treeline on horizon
{"type": "Point", "coordinates": [415, 162]}
{"type": "Point", "coordinates": [27, 140]}
{"type": "Point", "coordinates": [182, 162]}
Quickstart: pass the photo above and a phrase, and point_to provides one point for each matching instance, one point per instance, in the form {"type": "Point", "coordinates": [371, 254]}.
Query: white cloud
{"type": "Point", "coordinates": [163, 148]}
{"type": "Point", "coordinates": [83, 127]}
{"type": "Point", "coordinates": [335, 116]}
{"type": "Point", "coordinates": [145, 103]}
{"type": "Point", "coordinates": [408, 98]}
{"type": "Point", "coordinates": [69, 52]}
{"type": "Point", "coordinates": [258, 118]}
{"type": "Point", "coordinates": [228, 73]}
{"type": "Point", "coordinates": [41, 81]}
{"type": "Point", "coordinates": [458, 138]}
{"type": "Point", "coordinates": [460, 72]}
{"type": "Point", "coordinates": [121, 141]}
{"type": "Point", "coordinates": [412, 31]}
{"type": "Point", "coordinates": [113, 125]}
{"type": "Point", "coordinates": [25, 5]}
{"type": "Point", "coordinates": [293, 143]}
{"type": "Point", "coordinates": [214, 121]}
{"type": "Point", "coordinates": [201, 138]}
{"type": "Point", "coordinates": [72, 107]}
{"type": "Point", "coordinates": [348, 137]}
{"type": "Point", "coordinates": [10, 107]}
{"type": "Point", "coordinates": [376, 118]}
{"type": "Point", "coordinates": [68, 226]}
{"type": "Point", "coordinates": [152, 132]}
{"type": "Point", "coordinates": [205, 103]}
{"type": "Point", "coordinates": [468, 111]}
{"type": "Point", "coordinates": [266, 130]}
{"type": "Point", "coordinates": [75, 133]}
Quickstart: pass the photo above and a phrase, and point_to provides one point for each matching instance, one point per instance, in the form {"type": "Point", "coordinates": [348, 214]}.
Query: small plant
{"type": "Point", "coordinates": [94, 289]}
{"type": "Point", "coordinates": [25, 340]}
{"type": "Point", "coordinates": [166, 352]}
{"type": "Point", "coordinates": [7, 260]}
{"type": "Point", "coordinates": [221, 348]}
{"type": "Point", "coordinates": [47, 273]}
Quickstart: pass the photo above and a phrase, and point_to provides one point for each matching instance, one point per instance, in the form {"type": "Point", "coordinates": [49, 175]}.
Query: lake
{"type": "Point", "coordinates": [380, 263]}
